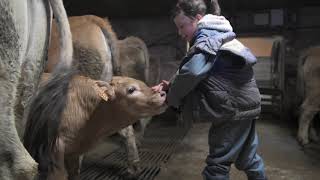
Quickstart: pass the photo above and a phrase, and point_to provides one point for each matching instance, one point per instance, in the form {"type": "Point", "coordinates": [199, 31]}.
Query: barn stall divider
{"type": "Point", "coordinates": [269, 72]}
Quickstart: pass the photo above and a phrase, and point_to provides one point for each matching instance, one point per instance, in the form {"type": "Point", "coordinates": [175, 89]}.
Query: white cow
{"type": "Point", "coordinates": [309, 89]}
{"type": "Point", "coordinates": [24, 37]}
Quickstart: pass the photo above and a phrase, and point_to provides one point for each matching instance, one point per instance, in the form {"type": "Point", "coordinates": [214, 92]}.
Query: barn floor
{"type": "Point", "coordinates": [284, 158]}
{"type": "Point", "coordinates": [171, 153]}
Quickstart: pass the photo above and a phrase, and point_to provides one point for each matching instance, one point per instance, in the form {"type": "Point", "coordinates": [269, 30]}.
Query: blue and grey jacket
{"type": "Point", "coordinates": [215, 79]}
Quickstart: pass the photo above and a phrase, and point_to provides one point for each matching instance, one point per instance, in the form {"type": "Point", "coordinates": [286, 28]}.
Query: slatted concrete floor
{"type": "Point", "coordinates": [159, 143]}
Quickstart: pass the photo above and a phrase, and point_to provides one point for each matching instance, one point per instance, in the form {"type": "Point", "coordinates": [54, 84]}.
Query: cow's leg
{"type": "Point", "coordinates": [308, 111]}
{"type": "Point", "coordinates": [73, 167]}
{"type": "Point", "coordinates": [80, 161]}
{"type": "Point", "coordinates": [140, 129]}
{"type": "Point", "coordinates": [313, 133]}
{"type": "Point", "coordinates": [58, 170]}
{"type": "Point", "coordinates": [34, 59]}
{"type": "Point", "coordinates": [132, 150]}
{"type": "Point", "coordinates": [15, 162]}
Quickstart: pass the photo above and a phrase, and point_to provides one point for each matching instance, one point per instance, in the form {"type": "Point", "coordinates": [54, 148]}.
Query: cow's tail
{"type": "Point", "coordinates": [111, 39]}
{"type": "Point", "coordinates": [47, 106]}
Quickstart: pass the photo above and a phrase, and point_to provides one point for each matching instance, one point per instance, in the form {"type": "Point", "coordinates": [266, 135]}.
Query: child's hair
{"type": "Point", "coordinates": [193, 7]}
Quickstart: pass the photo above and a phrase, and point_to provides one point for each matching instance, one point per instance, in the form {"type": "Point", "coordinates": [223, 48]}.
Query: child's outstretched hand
{"type": "Point", "coordinates": [163, 86]}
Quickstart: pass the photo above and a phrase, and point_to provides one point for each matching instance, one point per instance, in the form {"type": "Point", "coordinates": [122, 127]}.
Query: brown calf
{"type": "Point", "coordinates": [93, 110]}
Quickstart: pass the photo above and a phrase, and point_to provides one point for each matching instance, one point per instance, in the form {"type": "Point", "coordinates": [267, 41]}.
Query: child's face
{"type": "Point", "coordinates": [186, 26]}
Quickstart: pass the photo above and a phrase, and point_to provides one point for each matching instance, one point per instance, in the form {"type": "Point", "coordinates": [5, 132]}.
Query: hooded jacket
{"type": "Point", "coordinates": [215, 79]}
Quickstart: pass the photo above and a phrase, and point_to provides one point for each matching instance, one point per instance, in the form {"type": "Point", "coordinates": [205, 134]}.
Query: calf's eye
{"type": "Point", "coordinates": [131, 90]}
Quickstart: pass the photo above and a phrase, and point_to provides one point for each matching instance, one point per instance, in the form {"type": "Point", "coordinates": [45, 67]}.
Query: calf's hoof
{"type": "Point", "coordinates": [303, 140]}
{"type": "Point", "coordinates": [133, 171]}
{"type": "Point", "coordinates": [314, 136]}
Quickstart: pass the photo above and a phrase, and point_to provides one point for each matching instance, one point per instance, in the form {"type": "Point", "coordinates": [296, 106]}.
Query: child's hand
{"type": "Point", "coordinates": [163, 86]}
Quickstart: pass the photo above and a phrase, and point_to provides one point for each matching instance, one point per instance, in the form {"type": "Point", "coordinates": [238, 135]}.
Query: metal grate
{"type": "Point", "coordinates": [159, 143]}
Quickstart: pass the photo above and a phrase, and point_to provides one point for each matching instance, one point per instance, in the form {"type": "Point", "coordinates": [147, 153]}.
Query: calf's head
{"type": "Point", "coordinates": [136, 98]}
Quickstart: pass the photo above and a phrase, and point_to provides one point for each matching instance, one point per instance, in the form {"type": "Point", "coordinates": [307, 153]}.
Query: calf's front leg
{"type": "Point", "coordinates": [132, 150]}
{"type": "Point", "coordinates": [73, 167]}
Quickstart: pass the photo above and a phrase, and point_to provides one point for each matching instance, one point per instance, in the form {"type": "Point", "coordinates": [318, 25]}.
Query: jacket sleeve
{"type": "Point", "coordinates": [188, 77]}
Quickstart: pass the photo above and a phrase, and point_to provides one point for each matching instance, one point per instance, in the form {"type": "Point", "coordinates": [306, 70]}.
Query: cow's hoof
{"type": "Point", "coordinates": [133, 171]}
{"type": "Point", "coordinates": [139, 141]}
{"type": "Point", "coordinates": [314, 136]}
{"type": "Point", "coordinates": [129, 176]}
{"type": "Point", "coordinates": [303, 140]}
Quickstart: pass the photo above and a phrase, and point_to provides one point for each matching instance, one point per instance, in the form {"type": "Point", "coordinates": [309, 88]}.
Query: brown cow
{"type": "Point", "coordinates": [309, 89]}
{"type": "Point", "coordinates": [93, 110]}
{"type": "Point", "coordinates": [96, 53]}
{"type": "Point", "coordinates": [134, 58]}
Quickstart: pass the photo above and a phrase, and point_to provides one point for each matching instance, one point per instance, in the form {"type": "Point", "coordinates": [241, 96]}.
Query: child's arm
{"type": "Point", "coordinates": [188, 77]}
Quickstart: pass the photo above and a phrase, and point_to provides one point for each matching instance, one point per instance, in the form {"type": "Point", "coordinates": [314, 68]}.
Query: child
{"type": "Point", "coordinates": [215, 82]}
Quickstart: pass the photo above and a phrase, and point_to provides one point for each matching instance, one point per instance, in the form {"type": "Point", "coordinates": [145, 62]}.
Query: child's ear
{"type": "Point", "coordinates": [104, 90]}
{"type": "Point", "coordinates": [198, 17]}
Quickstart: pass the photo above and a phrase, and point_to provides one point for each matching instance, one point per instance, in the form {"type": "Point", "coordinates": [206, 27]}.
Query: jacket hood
{"type": "Point", "coordinates": [218, 23]}
{"type": "Point", "coordinates": [215, 33]}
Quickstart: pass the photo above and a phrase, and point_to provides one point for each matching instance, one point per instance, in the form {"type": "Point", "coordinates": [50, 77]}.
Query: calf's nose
{"type": "Point", "coordinates": [162, 93]}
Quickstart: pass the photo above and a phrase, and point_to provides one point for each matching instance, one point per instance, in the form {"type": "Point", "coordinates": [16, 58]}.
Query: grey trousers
{"type": "Point", "coordinates": [235, 142]}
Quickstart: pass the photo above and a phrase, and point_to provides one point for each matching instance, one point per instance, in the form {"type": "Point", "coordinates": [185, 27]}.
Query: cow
{"type": "Point", "coordinates": [96, 54]}
{"type": "Point", "coordinates": [94, 109]}
{"type": "Point", "coordinates": [134, 58]}
{"type": "Point", "coordinates": [309, 91]}
{"type": "Point", "coordinates": [24, 37]}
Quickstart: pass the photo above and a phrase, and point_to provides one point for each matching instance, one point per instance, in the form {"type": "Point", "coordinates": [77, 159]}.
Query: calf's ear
{"type": "Point", "coordinates": [104, 90]}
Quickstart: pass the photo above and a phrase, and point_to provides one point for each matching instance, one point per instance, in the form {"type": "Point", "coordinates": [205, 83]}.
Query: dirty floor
{"type": "Point", "coordinates": [284, 158]}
